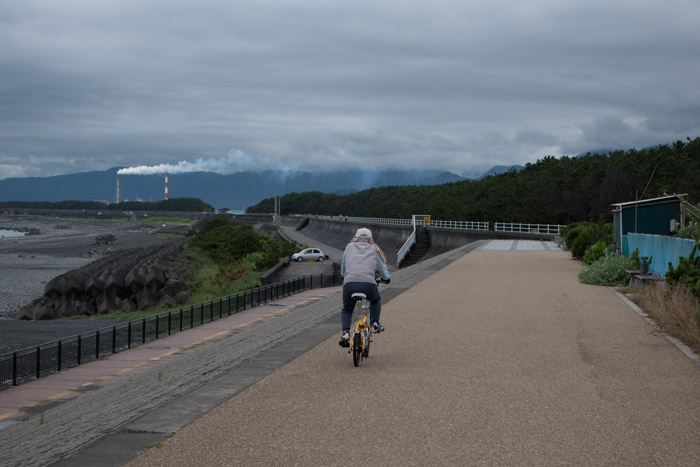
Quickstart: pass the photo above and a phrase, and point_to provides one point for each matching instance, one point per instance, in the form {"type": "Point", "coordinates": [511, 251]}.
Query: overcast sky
{"type": "Point", "coordinates": [316, 85]}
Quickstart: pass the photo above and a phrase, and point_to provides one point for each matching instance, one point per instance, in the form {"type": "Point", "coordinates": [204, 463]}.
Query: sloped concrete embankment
{"type": "Point", "coordinates": [392, 238]}
{"type": "Point", "coordinates": [338, 233]}
{"type": "Point", "coordinates": [134, 279]}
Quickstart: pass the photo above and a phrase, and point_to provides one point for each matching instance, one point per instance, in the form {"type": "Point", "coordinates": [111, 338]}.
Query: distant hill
{"type": "Point", "coordinates": [235, 191]}
{"type": "Point", "coordinates": [551, 191]}
{"type": "Point", "coordinates": [500, 169]}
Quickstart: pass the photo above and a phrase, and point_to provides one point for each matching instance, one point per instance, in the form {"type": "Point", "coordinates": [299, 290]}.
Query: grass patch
{"type": "Point", "coordinates": [205, 277]}
{"type": "Point", "coordinates": [674, 309]}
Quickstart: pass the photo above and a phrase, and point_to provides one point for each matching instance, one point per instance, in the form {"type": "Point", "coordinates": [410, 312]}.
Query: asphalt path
{"type": "Point", "coordinates": [91, 415]}
{"type": "Point", "coordinates": [498, 358]}
{"type": "Point", "coordinates": [490, 357]}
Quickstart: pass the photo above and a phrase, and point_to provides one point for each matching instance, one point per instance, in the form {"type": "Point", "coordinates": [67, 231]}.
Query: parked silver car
{"type": "Point", "coordinates": [309, 254]}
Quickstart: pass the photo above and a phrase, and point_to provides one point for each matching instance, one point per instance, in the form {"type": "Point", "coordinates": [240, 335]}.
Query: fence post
{"type": "Point", "coordinates": [157, 326]}
{"type": "Point", "coordinates": [170, 319]}
{"type": "Point", "coordinates": [181, 316]}
{"type": "Point", "coordinates": [97, 345]}
{"type": "Point", "coordinates": [114, 339]}
{"type": "Point", "coordinates": [14, 368]}
{"type": "Point", "coordinates": [80, 348]}
{"type": "Point", "coordinates": [128, 337]}
{"type": "Point", "coordinates": [38, 361]}
{"type": "Point", "coordinates": [201, 313]}
{"type": "Point", "coordinates": [143, 332]}
{"type": "Point", "coordinates": [60, 348]}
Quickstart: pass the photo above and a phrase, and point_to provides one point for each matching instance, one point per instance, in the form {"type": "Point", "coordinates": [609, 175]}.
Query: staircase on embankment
{"type": "Point", "coordinates": [419, 249]}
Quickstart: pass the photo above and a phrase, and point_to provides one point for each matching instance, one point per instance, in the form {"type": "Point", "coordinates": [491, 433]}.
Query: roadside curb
{"type": "Point", "coordinates": [687, 351]}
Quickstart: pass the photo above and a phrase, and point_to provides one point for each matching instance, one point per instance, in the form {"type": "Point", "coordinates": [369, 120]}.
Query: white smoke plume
{"type": "Point", "coordinates": [235, 161]}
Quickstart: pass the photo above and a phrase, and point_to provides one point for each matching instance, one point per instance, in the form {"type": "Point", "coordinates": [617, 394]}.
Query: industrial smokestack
{"type": "Point", "coordinates": [117, 200]}
{"type": "Point", "coordinates": [166, 184]}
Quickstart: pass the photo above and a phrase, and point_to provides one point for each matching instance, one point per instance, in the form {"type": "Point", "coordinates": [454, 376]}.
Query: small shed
{"type": "Point", "coordinates": [659, 216]}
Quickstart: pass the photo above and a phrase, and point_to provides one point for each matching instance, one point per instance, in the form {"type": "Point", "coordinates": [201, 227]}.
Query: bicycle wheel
{"type": "Point", "coordinates": [356, 350]}
{"type": "Point", "coordinates": [368, 339]}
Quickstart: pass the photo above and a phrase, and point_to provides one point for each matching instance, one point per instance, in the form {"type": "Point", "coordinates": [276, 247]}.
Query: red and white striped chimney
{"type": "Point", "coordinates": [166, 185]}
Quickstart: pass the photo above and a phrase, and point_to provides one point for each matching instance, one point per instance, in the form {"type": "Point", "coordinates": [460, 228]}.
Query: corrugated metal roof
{"type": "Point", "coordinates": [650, 201]}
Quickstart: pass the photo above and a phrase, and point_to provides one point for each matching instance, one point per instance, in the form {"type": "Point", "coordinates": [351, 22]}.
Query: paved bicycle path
{"type": "Point", "coordinates": [109, 419]}
{"type": "Point", "coordinates": [501, 357]}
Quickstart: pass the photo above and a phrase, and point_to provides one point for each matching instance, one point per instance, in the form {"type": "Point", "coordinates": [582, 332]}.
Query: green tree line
{"type": "Point", "coordinates": [173, 204]}
{"type": "Point", "coordinates": [552, 190]}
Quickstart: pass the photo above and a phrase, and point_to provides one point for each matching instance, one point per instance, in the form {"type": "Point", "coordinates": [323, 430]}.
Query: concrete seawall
{"type": "Point", "coordinates": [338, 234]}
{"type": "Point", "coordinates": [391, 238]}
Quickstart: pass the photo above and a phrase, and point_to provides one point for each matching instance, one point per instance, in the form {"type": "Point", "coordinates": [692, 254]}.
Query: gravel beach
{"type": "Point", "coordinates": [54, 246]}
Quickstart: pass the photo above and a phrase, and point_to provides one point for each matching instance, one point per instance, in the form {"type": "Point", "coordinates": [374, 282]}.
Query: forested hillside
{"type": "Point", "coordinates": [552, 190]}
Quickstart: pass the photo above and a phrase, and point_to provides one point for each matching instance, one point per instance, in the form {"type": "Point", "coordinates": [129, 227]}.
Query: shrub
{"type": "Point", "coordinates": [596, 252]}
{"type": "Point", "coordinates": [581, 236]}
{"type": "Point", "coordinates": [688, 272]}
{"type": "Point", "coordinates": [692, 231]}
{"type": "Point", "coordinates": [608, 270]}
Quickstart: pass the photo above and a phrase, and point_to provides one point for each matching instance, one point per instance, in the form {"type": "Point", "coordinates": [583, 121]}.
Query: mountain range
{"type": "Point", "coordinates": [234, 191]}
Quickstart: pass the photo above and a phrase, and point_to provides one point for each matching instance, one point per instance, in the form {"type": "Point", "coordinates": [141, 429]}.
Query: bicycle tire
{"type": "Point", "coordinates": [356, 350]}
{"type": "Point", "coordinates": [368, 340]}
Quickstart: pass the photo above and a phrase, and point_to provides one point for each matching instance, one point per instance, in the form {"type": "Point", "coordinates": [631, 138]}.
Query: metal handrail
{"type": "Point", "coordinates": [401, 255]}
{"type": "Point", "coordinates": [34, 362]}
{"type": "Point", "coordinates": [528, 228]}
{"type": "Point", "coordinates": [458, 225]}
{"type": "Point", "coordinates": [691, 209]}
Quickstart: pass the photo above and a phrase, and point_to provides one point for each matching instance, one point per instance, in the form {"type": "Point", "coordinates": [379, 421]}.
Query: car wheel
{"type": "Point", "coordinates": [320, 258]}
{"type": "Point", "coordinates": [300, 259]}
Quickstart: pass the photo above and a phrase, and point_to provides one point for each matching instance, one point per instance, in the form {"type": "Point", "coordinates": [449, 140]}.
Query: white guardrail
{"type": "Point", "coordinates": [401, 254]}
{"type": "Point", "coordinates": [461, 225]}
{"type": "Point", "coordinates": [528, 228]}
{"type": "Point", "coordinates": [551, 229]}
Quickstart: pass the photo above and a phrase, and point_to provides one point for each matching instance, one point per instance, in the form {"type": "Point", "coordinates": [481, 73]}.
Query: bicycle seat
{"type": "Point", "coordinates": [359, 296]}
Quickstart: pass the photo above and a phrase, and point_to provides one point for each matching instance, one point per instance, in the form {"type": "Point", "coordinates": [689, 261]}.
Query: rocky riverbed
{"type": "Point", "coordinates": [51, 247]}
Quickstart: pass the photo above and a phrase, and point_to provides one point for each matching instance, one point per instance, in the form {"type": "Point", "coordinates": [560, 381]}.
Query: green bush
{"type": "Point", "coordinates": [692, 231]}
{"type": "Point", "coordinates": [608, 270]}
{"type": "Point", "coordinates": [579, 237]}
{"type": "Point", "coordinates": [688, 271]}
{"type": "Point", "coordinates": [225, 244]}
{"type": "Point", "coordinates": [596, 252]}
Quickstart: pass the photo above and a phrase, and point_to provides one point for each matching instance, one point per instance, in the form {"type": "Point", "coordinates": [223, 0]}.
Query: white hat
{"type": "Point", "coordinates": [363, 233]}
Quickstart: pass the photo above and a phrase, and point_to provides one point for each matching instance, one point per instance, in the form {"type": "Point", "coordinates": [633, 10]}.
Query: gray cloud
{"type": "Point", "coordinates": [452, 85]}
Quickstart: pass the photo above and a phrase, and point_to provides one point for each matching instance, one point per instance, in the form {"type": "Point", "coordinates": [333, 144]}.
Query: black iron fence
{"type": "Point", "coordinates": [34, 362]}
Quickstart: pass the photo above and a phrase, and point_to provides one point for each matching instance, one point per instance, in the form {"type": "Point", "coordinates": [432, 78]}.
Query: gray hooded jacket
{"type": "Point", "coordinates": [360, 261]}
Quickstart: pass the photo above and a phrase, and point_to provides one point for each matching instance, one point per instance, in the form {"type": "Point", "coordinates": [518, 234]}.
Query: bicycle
{"type": "Point", "coordinates": [362, 336]}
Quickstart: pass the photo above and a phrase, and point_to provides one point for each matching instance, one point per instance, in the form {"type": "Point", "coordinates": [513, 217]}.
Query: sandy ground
{"type": "Point", "coordinates": [27, 263]}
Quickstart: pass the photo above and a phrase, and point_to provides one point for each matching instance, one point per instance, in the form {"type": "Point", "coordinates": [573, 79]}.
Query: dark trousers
{"type": "Point", "coordinates": [349, 304]}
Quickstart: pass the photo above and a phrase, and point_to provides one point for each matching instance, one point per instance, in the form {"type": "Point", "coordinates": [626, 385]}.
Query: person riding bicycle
{"type": "Point", "coordinates": [361, 259]}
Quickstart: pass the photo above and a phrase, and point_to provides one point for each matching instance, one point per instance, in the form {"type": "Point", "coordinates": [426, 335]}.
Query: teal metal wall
{"type": "Point", "coordinates": [661, 249]}
{"type": "Point", "coordinates": [650, 219]}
